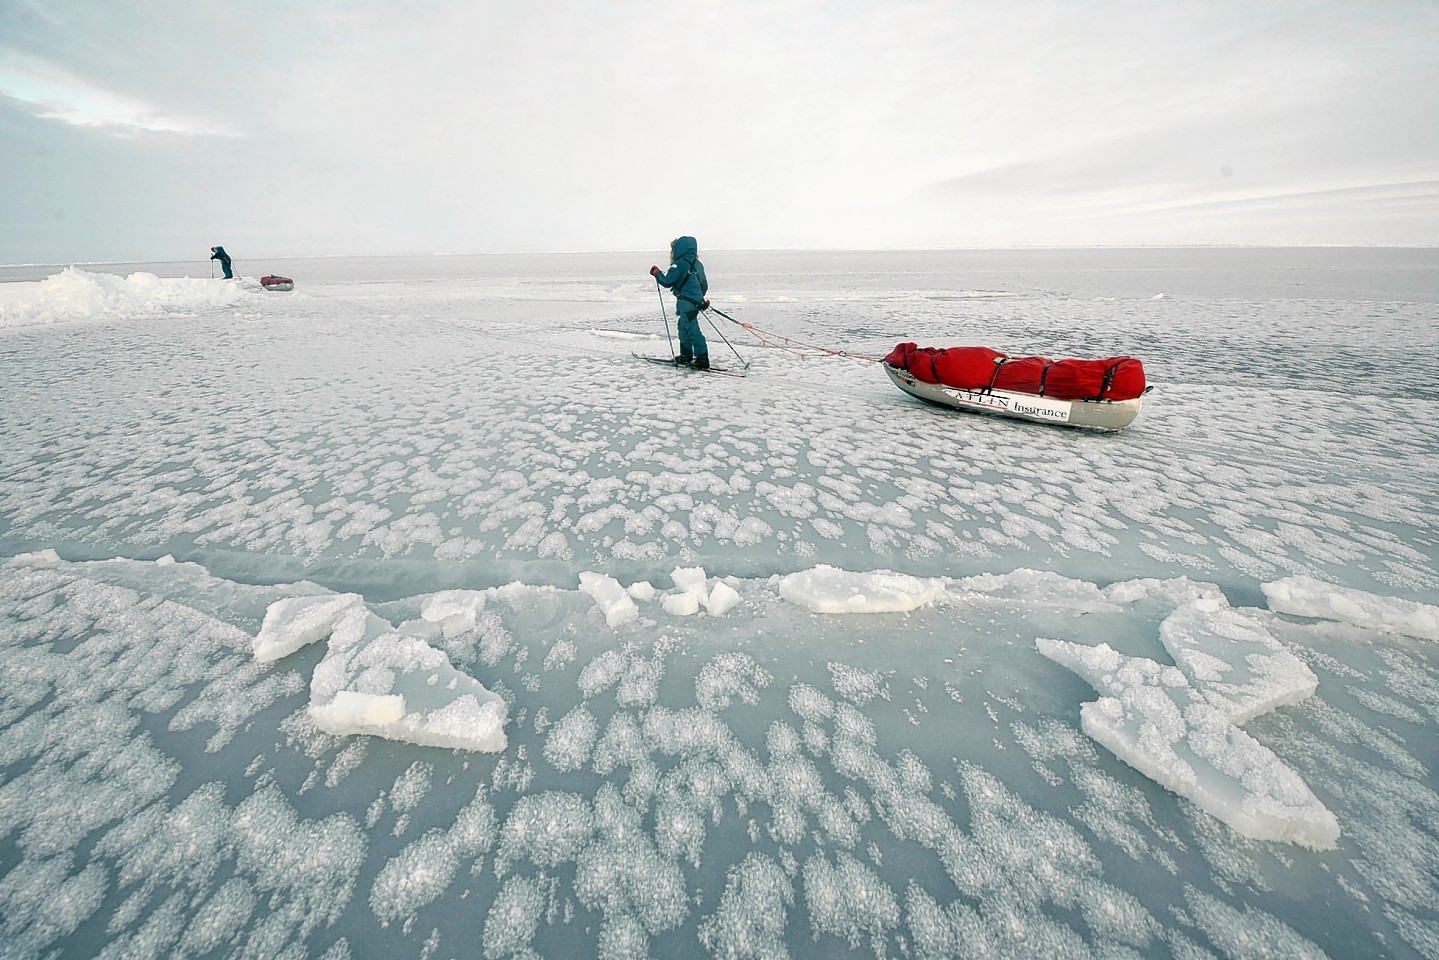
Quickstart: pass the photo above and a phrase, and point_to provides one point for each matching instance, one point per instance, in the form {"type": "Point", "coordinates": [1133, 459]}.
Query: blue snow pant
{"type": "Point", "coordinates": [692, 341]}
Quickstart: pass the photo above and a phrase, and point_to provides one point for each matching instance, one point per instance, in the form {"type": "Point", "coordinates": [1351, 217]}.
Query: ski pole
{"type": "Point", "coordinates": [664, 313]}
{"type": "Point", "coordinates": [743, 362]}
{"type": "Point", "coordinates": [723, 314]}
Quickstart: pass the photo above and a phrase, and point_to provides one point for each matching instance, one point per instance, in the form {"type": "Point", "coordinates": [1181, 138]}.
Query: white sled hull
{"type": "Point", "coordinates": [1084, 414]}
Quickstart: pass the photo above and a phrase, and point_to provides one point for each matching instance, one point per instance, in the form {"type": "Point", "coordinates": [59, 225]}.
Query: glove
{"type": "Point", "coordinates": [705, 305]}
{"type": "Point", "coordinates": [654, 271]}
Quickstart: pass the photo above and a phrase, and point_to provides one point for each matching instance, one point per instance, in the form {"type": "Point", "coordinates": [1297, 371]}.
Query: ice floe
{"type": "Point", "coordinates": [672, 779]}
{"type": "Point", "coordinates": [1303, 596]}
{"type": "Point", "coordinates": [1180, 725]}
{"type": "Point", "coordinates": [1234, 661]}
{"type": "Point", "coordinates": [691, 595]}
{"type": "Point", "coordinates": [692, 592]}
{"type": "Point", "coordinates": [385, 682]}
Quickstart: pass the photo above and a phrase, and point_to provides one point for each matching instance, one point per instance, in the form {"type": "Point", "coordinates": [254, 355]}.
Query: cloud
{"type": "Point", "coordinates": [51, 92]}
{"type": "Point", "coordinates": [464, 127]}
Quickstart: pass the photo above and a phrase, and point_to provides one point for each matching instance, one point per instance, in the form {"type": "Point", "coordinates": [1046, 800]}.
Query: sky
{"type": "Point", "coordinates": [153, 131]}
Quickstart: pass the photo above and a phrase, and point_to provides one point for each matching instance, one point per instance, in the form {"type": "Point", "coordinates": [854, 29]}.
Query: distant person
{"type": "Point", "coordinates": [686, 280]}
{"type": "Point", "coordinates": [218, 253]}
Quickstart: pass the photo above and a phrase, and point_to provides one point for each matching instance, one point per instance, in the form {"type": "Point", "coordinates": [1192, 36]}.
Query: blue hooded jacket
{"type": "Point", "coordinates": [686, 276]}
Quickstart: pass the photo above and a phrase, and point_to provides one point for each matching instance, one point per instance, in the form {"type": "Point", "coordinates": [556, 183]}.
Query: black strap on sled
{"type": "Point", "coordinates": [998, 362]}
{"type": "Point", "coordinates": [1108, 381]}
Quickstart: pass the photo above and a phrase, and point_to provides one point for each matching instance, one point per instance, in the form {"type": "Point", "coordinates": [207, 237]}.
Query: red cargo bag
{"type": "Point", "coordinates": [1076, 379]}
{"type": "Point", "coordinates": [1023, 375]}
{"type": "Point", "coordinates": [921, 364]}
{"type": "Point", "coordinates": [1126, 379]}
{"type": "Point", "coordinates": [899, 356]}
{"type": "Point", "coordinates": [966, 368]}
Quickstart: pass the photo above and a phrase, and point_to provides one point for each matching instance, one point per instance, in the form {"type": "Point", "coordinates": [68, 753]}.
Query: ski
{"type": "Point", "coordinates": [669, 362]}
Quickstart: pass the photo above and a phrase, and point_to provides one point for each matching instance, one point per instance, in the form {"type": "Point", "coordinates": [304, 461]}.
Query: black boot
{"type": "Point", "coordinates": [684, 359]}
{"type": "Point", "coordinates": [702, 362]}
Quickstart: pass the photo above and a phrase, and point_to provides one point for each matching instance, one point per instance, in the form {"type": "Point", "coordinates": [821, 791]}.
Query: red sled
{"type": "Point", "coordinates": [1093, 394]}
{"type": "Point", "coordinates": [277, 283]}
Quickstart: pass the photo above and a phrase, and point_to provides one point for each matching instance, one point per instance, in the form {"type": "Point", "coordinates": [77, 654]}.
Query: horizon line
{"type": "Point", "coordinates": [1011, 248]}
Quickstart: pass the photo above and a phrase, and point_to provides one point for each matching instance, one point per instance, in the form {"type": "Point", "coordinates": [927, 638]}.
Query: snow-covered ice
{"type": "Point", "coordinates": [407, 615]}
{"type": "Point", "coordinates": [81, 296]}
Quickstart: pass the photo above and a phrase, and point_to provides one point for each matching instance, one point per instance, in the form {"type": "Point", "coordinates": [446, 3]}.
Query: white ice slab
{"type": "Point", "coordinates": [380, 681]}
{"type": "Point", "coordinates": [681, 604]}
{"type": "Point", "coordinates": [642, 590]}
{"type": "Point", "coordinates": [826, 589]}
{"type": "Point", "coordinates": [456, 611]}
{"type": "Point", "coordinates": [298, 621]}
{"type": "Point", "coordinates": [349, 710]}
{"type": "Point", "coordinates": [1308, 597]}
{"type": "Point", "coordinates": [690, 580]}
{"type": "Point", "coordinates": [1154, 720]}
{"type": "Point", "coordinates": [722, 599]}
{"type": "Point", "coordinates": [1233, 660]}
{"type": "Point", "coordinates": [612, 599]}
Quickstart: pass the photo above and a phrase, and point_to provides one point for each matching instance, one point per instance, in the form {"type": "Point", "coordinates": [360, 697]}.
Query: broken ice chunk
{"type": "Point", "coordinates": [826, 589]}
{"type": "Point", "coordinates": [349, 711]}
{"type": "Point", "coordinates": [1308, 597]}
{"type": "Point", "coordinates": [441, 707]}
{"type": "Point", "coordinates": [296, 621]}
{"type": "Point", "coordinates": [612, 599]}
{"type": "Point", "coordinates": [681, 604]}
{"type": "Point", "coordinates": [722, 599]}
{"type": "Point", "coordinates": [690, 580]}
{"type": "Point", "coordinates": [1233, 660]}
{"type": "Point", "coordinates": [1154, 720]}
{"type": "Point", "coordinates": [377, 680]}
{"type": "Point", "coordinates": [456, 611]}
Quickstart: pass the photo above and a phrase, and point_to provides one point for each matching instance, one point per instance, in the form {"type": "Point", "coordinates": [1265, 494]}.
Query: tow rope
{"type": "Point", "coordinates": [799, 348]}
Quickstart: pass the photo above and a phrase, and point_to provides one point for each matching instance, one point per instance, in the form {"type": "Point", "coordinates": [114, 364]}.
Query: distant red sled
{"type": "Point", "coordinates": [277, 283]}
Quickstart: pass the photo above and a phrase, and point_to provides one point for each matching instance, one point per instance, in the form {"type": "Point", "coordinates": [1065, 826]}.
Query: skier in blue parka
{"type": "Point", "coordinates": [686, 280]}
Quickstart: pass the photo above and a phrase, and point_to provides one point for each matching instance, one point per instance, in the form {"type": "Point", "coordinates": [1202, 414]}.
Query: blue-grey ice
{"type": "Point", "coordinates": [406, 614]}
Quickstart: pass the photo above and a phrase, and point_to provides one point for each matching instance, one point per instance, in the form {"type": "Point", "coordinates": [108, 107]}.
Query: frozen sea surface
{"type": "Point", "coordinates": [788, 665]}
